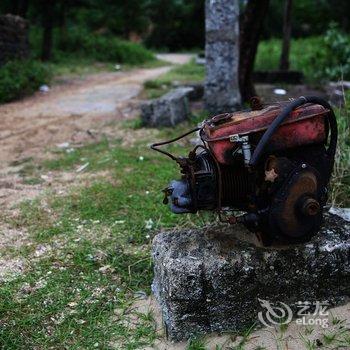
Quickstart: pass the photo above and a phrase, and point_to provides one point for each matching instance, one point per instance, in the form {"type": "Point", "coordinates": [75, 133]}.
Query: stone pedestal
{"type": "Point", "coordinates": [13, 38]}
{"type": "Point", "coordinates": [222, 56]}
{"type": "Point", "coordinates": [210, 280]}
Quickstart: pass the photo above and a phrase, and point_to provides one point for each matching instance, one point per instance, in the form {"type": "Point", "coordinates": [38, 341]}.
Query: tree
{"type": "Point", "coordinates": [48, 12]}
{"type": "Point", "coordinates": [20, 7]}
{"type": "Point", "coordinates": [251, 23]}
{"type": "Point", "coordinates": [287, 30]}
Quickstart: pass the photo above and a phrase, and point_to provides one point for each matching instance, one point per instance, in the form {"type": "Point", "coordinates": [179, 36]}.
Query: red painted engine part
{"type": "Point", "coordinates": [306, 125]}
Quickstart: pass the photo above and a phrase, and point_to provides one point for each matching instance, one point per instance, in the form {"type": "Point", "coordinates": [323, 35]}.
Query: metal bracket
{"type": "Point", "coordinates": [245, 146]}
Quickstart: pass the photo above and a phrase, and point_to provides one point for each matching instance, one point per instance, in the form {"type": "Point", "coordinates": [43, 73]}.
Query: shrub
{"type": "Point", "coordinates": [20, 78]}
{"type": "Point", "coordinates": [319, 58]}
{"type": "Point", "coordinates": [305, 55]}
{"type": "Point", "coordinates": [104, 47]}
{"type": "Point", "coordinates": [337, 58]}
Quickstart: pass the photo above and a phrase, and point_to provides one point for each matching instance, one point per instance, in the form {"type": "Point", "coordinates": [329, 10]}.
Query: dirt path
{"type": "Point", "coordinates": [68, 111]}
{"type": "Point", "coordinates": [76, 112]}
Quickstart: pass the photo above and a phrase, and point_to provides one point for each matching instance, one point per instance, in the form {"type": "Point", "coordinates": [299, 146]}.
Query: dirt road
{"type": "Point", "coordinates": [75, 112]}
{"type": "Point", "coordinates": [68, 111]}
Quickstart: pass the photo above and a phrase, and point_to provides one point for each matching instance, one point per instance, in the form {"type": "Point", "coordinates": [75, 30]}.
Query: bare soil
{"type": "Point", "coordinates": [77, 111]}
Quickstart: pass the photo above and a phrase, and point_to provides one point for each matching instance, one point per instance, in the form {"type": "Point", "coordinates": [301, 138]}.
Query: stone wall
{"type": "Point", "coordinates": [13, 38]}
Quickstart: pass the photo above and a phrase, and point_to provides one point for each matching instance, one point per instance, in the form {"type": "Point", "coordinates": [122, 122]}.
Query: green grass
{"type": "Point", "coordinates": [196, 344]}
{"type": "Point", "coordinates": [79, 293]}
{"type": "Point", "coordinates": [96, 240]}
{"type": "Point", "coordinates": [187, 73]}
{"type": "Point", "coordinates": [303, 55]}
{"type": "Point", "coordinates": [319, 58]}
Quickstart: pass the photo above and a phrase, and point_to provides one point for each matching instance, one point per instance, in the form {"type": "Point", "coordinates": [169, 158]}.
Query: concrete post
{"type": "Point", "coordinates": [222, 56]}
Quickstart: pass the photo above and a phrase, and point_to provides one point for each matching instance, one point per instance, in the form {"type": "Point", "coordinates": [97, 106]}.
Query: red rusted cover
{"type": "Point", "coordinates": [306, 125]}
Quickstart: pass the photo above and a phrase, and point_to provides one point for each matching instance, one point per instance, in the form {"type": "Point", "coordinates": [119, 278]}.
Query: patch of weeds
{"type": "Point", "coordinates": [91, 154]}
{"type": "Point", "coordinates": [98, 237]}
{"type": "Point", "coordinates": [29, 172]}
{"type": "Point", "coordinates": [70, 66]}
{"type": "Point", "coordinates": [32, 181]}
{"type": "Point", "coordinates": [42, 222]}
{"type": "Point", "coordinates": [196, 343]}
{"type": "Point", "coordinates": [133, 124]}
{"type": "Point", "coordinates": [339, 337]}
{"type": "Point", "coordinates": [245, 337]}
{"type": "Point", "coordinates": [70, 303]}
{"type": "Point", "coordinates": [283, 327]}
{"type": "Point", "coordinates": [337, 321]}
{"type": "Point", "coordinates": [308, 330]}
{"type": "Point", "coordinates": [308, 343]}
{"type": "Point", "coordinates": [329, 338]}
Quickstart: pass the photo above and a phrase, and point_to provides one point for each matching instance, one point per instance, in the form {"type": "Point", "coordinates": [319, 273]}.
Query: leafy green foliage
{"type": "Point", "coordinates": [336, 62]}
{"type": "Point", "coordinates": [104, 48]}
{"type": "Point", "coordinates": [20, 78]}
{"type": "Point", "coordinates": [302, 55]}
{"type": "Point", "coordinates": [80, 44]}
{"type": "Point", "coordinates": [319, 58]}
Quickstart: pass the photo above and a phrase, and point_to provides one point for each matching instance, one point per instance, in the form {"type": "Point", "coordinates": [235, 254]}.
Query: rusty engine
{"type": "Point", "coordinates": [268, 168]}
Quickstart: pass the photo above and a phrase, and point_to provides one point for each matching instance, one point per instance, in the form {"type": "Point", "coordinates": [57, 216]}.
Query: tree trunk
{"type": "Point", "coordinates": [20, 7]}
{"type": "Point", "coordinates": [47, 23]}
{"type": "Point", "coordinates": [287, 30]}
{"type": "Point", "coordinates": [251, 22]}
{"type": "Point", "coordinates": [62, 24]}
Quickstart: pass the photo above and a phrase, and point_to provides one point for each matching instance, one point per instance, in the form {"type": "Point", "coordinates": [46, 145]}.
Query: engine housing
{"type": "Point", "coordinates": [272, 165]}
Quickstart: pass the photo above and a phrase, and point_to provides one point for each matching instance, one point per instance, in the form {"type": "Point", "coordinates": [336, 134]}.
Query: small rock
{"type": "Point", "coordinates": [44, 88]}
{"type": "Point", "coordinates": [168, 110]}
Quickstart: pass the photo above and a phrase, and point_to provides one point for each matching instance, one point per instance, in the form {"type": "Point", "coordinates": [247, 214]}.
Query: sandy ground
{"type": "Point", "coordinates": [293, 337]}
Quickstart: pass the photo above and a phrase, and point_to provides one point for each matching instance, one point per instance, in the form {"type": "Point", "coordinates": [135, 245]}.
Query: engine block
{"type": "Point", "coordinates": [268, 168]}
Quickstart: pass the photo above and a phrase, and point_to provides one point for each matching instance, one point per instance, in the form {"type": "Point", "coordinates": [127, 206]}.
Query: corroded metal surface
{"type": "Point", "coordinates": [306, 125]}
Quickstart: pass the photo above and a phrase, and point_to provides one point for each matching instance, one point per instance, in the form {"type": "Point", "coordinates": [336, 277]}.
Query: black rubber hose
{"type": "Point", "coordinates": [156, 145]}
{"type": "Point", "coordinates": [260, 148]}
